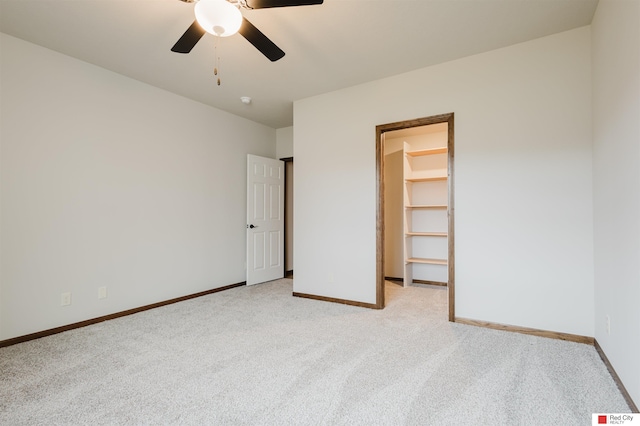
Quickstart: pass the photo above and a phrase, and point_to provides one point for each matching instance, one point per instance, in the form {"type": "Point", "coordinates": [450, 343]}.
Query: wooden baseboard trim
{"type": "Point", "coordinates": [401, 280]}
{"type": "Point", "coordinates": [334, 300]}
{"type": "Point", "coordinates": [438, 283]}
{"type": "Point", "coordinates": [288, 274]}
{"type": "Point", "coordinates": [51, 331]}
{"type": "Point", "coordinates": [524, 330]}
{"type": "Point", "coordinates": [616, 378]}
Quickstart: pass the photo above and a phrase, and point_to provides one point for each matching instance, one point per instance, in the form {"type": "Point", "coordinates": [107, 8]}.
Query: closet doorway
{"type": "Point", "coordinates": [415, 211]}
{"type": "Point", "coordinates": [288, 217]}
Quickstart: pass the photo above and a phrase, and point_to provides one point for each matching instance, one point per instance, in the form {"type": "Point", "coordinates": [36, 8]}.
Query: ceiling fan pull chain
{"type": "Point", "coordinates": [216, 66]}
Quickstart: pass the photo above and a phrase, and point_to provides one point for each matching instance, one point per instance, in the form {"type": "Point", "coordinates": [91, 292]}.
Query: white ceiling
{"type": "Point", "coordinates": [328, 47]}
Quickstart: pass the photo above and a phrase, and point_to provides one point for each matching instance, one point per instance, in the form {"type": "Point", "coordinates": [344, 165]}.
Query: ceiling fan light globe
{"type": "Point", "coordinates": [218, 17]}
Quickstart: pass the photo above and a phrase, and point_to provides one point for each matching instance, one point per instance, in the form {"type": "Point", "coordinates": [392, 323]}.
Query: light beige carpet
{"type": "Point", "coordinates": [258, 356]}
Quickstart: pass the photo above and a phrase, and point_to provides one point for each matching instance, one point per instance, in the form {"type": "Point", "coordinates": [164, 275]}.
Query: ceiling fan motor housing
{"type": "Point", "coordinates": [218, 17]}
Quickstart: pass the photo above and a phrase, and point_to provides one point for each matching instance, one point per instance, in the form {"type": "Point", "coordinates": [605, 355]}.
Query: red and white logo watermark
{"type": "Point", "coordinates": [615, 419]}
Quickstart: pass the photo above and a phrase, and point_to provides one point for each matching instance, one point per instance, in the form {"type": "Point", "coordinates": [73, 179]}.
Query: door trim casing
{"type": "Point", "coordinates": [380, 130]}
{"type": "Point", "coordinates": [286, 217]}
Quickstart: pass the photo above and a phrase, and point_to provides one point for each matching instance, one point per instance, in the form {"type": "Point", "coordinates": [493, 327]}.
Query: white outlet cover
{"type": "Point", "coordinates": [65, 299]}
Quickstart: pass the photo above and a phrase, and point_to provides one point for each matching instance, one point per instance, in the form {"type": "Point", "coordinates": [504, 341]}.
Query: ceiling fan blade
{"type": "Point", "coordinates": [263, 4]}
{"type": "Point", "coordinates": [189, 39]}
{"type": "Point", "coordinates": [260, 41]}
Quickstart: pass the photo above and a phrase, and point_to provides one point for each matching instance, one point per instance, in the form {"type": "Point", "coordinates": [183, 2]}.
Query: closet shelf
{"type": "Point", "coordinates": [430, 151]}
{"type": "Point", "coordinates": [426, 179]}
{"type": "Point", "coordinates": [425, 182]}
{"type": "Point", "coordinates": [426, 206]}
{"type": "Point", "coordinates": [429, 261]}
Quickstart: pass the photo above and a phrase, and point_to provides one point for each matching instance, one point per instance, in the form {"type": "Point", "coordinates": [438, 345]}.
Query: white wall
{"type": "Point", "coordinates": [616, 150]}
{"type": "Point", "coordinates": [110, 182]}
{"type": "Point", "coordinates": [284, 142]}
{"type": "Point", "coordinates": [284, 149]}
{"type": "Point", "coordinates": [523, 181]}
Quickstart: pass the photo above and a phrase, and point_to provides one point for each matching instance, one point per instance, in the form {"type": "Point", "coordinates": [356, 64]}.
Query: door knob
{"type": "Point", "coordinates": [252, 226]}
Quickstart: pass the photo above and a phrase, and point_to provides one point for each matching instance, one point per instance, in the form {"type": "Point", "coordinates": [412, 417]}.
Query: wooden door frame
{"type": "Point", "coordinates": [380, 130]}
{"type": "Point", "coordinates": [286, 217]}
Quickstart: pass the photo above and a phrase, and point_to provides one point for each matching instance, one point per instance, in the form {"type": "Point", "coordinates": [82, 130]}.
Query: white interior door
{"type": "Point", "coordinates": [265, 219]}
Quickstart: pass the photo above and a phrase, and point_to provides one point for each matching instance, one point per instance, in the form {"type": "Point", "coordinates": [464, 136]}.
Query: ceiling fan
{"type": "Point", "coordinates": [222, 18]}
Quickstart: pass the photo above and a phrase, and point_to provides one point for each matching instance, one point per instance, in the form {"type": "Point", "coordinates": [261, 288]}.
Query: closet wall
{"type": "Point", "coordinates": [393, 207]}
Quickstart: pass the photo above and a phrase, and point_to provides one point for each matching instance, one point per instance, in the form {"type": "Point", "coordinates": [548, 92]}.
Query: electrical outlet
{"type": "Point", "coordinates": [608, 319]}
{"type": "Point", "coordinates": [65, 299]}
{"type": "Point", "coordinates": [102, 292]}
